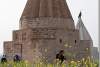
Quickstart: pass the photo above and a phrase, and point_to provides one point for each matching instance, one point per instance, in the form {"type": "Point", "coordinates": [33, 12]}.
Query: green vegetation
{"type": "Point", "coordinates": [82, 63]}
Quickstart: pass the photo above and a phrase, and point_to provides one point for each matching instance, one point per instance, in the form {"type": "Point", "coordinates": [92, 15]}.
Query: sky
{"type": "Point", "coordinates": [11, 10]}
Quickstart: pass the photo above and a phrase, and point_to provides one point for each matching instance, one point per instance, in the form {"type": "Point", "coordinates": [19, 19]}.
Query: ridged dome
{"type": "Point", "coordinates": [46, 8]}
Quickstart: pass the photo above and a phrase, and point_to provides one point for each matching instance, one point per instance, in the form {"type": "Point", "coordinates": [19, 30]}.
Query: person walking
{"type": "Point", "coordinates": [61, 56]}
{"type": "Point", "coordinates": [3, 59]}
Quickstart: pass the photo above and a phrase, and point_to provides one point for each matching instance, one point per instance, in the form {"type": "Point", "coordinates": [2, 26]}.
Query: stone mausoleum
{"type": "Point", "coordinates": [45, 28]}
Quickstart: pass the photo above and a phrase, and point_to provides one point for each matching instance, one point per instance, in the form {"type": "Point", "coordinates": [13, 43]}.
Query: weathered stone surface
{"type": "Point", "coordinates": [46, 8]}
{"type": "Point", "coordinates": [48, 22]}
{"type": "Point", "coordinates": [84, 49]}
{"type": "Point", "coordinates": [8, 49]}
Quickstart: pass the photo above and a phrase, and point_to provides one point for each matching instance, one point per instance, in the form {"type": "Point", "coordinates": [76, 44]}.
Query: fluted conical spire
{"type": "Point", "coordinates": [84, 34]}
{"type": "Point", "coordinates": [46, 8]}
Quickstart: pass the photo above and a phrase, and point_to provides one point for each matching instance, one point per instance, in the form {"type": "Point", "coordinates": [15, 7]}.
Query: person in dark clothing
{"type": "Point", "coordinates": [17, 58]}
{"type": "Point", "coordinates": [61, 56]}
{"type": "Point", "coordinates": [3, 59]}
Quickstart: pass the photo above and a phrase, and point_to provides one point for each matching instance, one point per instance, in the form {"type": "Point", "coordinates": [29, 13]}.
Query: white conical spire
{"type": "Point", "coordinates": [84, 35]}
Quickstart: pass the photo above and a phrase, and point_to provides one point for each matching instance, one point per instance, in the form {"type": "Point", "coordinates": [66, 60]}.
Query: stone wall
{"type": "Point", "coordinates": [8, 49]}
{"type": "Point", "coordinates": [47, 22]}
{"type": "Point", "coordinates": [84, 49]}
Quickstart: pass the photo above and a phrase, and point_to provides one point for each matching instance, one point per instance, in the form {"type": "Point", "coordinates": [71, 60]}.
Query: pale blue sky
{"type": "Point", "coordinates": [11, 10]}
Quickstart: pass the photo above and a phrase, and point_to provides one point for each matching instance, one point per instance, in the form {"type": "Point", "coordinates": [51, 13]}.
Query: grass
{"type": "Point", "coordinates": [81, 63]}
